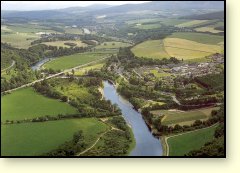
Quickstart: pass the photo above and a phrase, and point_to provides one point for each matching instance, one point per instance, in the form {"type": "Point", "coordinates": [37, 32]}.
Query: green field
{"type": "Point", "coordinates": [73, 31]}
{"type": "Point", "coordinates": [172, 117]}
{"type": "Point", "coordinates": [112, 45]}
{"type": "Point", "coordinates": [198, 37]}
{"type": "Point", "coordinates": [186, 49]}
{"type": "Point", "coordinates": [180, 145]}
{"type": "Point", "coordinates": [66, 62]}
{"type": "Point", "coordinates": [26, 103]}
{"type": "Point", "coordinates": [150, 49]}
{"type": "Point", "coordinates": [159, 75]}
{"type": "Point", "coordinates": [191, 23]}
{"type": "Point", "coordinates": [37, 138]}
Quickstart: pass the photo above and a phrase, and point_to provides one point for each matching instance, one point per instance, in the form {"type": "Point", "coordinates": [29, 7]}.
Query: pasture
{"type": "Point", "coordinates": [66, 62]}
{"type": "Point", "coordinates": [81, 71]}
{"type": "Point", "coordinates": [172, 117]}
{"type": "Point", "coordinates": [32, 139]}
{"type": "Point", "coordinates": [182, 144]}
{"type": "Point", "coordinates": [186, 49]}
{"type": "Point", "coordinates": [148, 26]}
{"type": "Point", "coordinates": [159, 75]}
{"type": "Point", "coordinates": [150, 49]}
{"type": "Point", "coordinates": [26, 103]}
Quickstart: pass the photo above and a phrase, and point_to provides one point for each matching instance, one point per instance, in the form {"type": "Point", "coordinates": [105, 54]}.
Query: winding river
{"type": "Point", "coordinates": [146, 143]}
{"type": "Point", "coordinates": [38, 65]}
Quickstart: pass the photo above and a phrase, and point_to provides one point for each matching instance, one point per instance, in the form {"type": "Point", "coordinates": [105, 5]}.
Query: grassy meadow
{"type": "Point", "coordinates": [180, 145]}
{"type": "Point", "coordinates": [112, 45]}
{"type": "Point", "coordinates": [61, 43]}
{"type": "Point", "coordinates": [33, 139]}
{"type": "Point", "coordinates": [26, 103]}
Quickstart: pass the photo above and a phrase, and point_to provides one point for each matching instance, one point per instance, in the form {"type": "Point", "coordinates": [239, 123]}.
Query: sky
{"type": "Point", "coordinates": [47, 5]}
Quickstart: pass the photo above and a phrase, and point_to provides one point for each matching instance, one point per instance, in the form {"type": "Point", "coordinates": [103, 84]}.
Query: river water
{"type": "Point", "coordinates": [146, 143]}
{"type": "Point", "coordinates": [38, 65]}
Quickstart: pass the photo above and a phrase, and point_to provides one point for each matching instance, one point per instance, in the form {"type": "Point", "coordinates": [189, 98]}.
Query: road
{"type": "Point", "coordinates": [13, 63]}
{"type": "Point", "coordinates": [168, 137]}
{"type": "Point", "coordinates": [54, 75]}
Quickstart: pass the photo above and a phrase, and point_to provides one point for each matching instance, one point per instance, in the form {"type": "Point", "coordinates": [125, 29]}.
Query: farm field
{"type": "Point", "coordinates": [16, 106]}
{"type": "Point", "coordinates": [198, 37]}
{"type": "Point", "coordinates": [61, 43]}
{"type": "Point", "coordinates": [182, 48]}
{"type": "Point", "coordinates": [191, 23]}
{"type": "Point", "coordinates": [150, 49]}
{"type": "Point", "coordinates": [31, 138]}
{"type": "Point", "coordinates": [172, 117]}
{"type": "Point", "coordinates": [180, 145]}
{"type": "Point", "coordinates": [73, 30]}
{"type": "Point", "coordinates": [112, 45]}
{"type": "Point", "coordinates": [19, 40]}
{"type": "Point", "coordinates": [66, 62]}
{"type": "Point", "coordinates": [208, 29]}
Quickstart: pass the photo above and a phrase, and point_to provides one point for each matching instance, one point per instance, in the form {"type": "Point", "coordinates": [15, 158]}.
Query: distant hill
{"type": "Point", "coordinates": [100, 9]}
{"type": "Point", "coordinates": [208, 16]}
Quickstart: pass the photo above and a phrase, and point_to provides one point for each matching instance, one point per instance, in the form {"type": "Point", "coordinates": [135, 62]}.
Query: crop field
{"type": "Point", "coordinates": [182, 48]}
{"type": "Point", "coordinates": [112, 45]}
{"type": "Point", "coordinates": [180, 145]}
{"type": "Point", "coordinates": [16, 106]}
{"type": "Point", "coordinates": [173, 22]}
{"type": "Point", "coordinates": [191, 23]}
{"type": "Point", "coordinates": [198, 37]}
{"type": "Point", "coordinates": [31, 139]}
{"type": "Point", "coordinates": [150, 49]}
{"type": "Point", "coordinates": [208, 29]}
{"type": "Point", "coordinates": [61, 43]}
{"type": "Point", "coordinates": [172, 117]}
{"type": "Point", "coordinates": [66, 62]}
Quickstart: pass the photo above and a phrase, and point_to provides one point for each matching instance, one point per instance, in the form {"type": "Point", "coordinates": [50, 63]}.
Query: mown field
{"type": "Point", "coordinates": [32, 139]}
{"type": "Point", "coordinates": [150, 49]}
{"type": "Point", "coordinates": [198, 37]}
{"type": "Point", "coordinates": [66, 62]}
{"type": "Point", "coordinates": [186, 49]}
{"type": "Point", "coordinates": [148, 26]}
{"type": "Point", "coordinates": [112, 45]}
{"type": "Point", "coordinates": [172, 117]}
{"type": "Point", "coordinates": [61, 43]}
{"type": "Point", "coordinates": [26, 103]}
{"type": "Point", "coordinates": [180, 145]}
{"type": "Point", "coordinates": [208, 29]}
{"type": "Point", "coordinates": [159, 75]}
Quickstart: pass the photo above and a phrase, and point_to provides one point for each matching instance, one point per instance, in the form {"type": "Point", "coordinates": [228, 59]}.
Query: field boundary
{"type": "Point", "coordinates": [168, 137]}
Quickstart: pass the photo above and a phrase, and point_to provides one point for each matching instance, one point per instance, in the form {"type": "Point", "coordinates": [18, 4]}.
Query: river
{"type": "Point", "coordinates": [146, 143]}
{"type": "Point", "coordinates": [38, 65]}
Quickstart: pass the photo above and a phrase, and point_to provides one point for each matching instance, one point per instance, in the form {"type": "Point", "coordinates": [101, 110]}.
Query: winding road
{"type": "Point", "coordinates": [13, 63]}
{"type": "Point", "coordinates": [54, 75]}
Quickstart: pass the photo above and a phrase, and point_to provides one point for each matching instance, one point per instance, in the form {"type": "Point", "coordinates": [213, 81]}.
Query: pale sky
{"type": "Point", "coordinates": [46, 5]}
